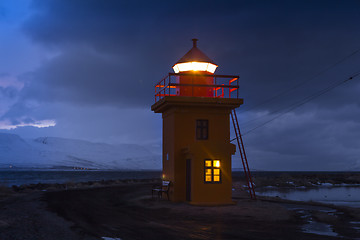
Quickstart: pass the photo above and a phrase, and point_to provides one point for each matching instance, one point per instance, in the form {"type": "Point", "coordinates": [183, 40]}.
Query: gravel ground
{"type": "Point", "coordinates": [127, 211]}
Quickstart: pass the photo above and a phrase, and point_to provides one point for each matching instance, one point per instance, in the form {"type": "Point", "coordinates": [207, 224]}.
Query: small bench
{"type": "Point", "coordinates": [160, 189]}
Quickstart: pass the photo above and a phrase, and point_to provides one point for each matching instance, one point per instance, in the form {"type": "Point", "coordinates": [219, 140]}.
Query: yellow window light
{"type": "Point", "coordinates": [194, 66]}
{"type": "Point", "coordinates": [212, 171]}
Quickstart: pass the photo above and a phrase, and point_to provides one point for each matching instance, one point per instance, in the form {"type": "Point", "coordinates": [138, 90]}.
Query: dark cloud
{"type": "Point", "coordinates": [86, 77]}
{"type": "Point", "coordinates": [272, 46]}
{"type": "Point", "coordinates": [305, 141]}
{"type": "Point", "coordinates": [109, 55]}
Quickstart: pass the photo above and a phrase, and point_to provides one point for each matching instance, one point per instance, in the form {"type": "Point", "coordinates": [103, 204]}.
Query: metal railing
{"type": "Point", "coordinates": [223, 86]}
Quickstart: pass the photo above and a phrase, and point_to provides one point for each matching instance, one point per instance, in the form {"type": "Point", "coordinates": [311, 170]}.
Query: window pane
{"type": "Point", "coordinates": [205, 123]}
{"type": "Point", "coordinates": [204, 134]}
{"type": "Point", "coordinates": [198, 133]}
{"type": "Point", "coordinates": [202, 129]}
{"type": "Point", "coordinates": [212, 171]}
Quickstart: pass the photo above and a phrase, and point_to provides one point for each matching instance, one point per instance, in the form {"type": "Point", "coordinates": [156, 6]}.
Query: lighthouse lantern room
{"type": "Point", "coordinates": [196, 105]}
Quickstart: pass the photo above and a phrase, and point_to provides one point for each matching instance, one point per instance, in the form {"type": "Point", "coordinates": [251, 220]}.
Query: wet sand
{"type": "Point", "coordinates": [127, 211]}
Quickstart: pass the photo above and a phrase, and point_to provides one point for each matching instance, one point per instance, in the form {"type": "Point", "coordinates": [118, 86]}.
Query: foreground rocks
{"type": "Point", "coordinates": [126, 210]}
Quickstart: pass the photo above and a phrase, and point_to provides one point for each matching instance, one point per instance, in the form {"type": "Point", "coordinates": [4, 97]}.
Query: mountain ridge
{"type": "Point", "coordinates": [53, 152]}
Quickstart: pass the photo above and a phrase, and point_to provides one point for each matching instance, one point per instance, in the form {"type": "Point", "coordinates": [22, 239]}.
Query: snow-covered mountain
{"type": "Point", "coordinates": [51, 152]}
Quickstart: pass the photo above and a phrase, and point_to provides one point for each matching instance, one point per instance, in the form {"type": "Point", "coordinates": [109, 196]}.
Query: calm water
{"type": "Point", "coordinates": [345, 196]}
{"type": "Point", "coordinates": [18, 177]}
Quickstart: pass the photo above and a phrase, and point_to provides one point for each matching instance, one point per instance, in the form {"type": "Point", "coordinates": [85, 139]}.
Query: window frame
{"type": "Point", "coordinates": [201, 129]}
{"type": "Point", "coordinates": [212, 168]}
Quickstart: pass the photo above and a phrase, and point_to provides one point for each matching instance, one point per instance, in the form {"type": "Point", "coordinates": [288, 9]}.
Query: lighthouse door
{"type": "Point", "coordinates": [188, 179]}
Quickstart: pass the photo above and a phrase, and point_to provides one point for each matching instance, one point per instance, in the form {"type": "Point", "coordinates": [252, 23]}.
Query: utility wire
{"type": "Point", "coordinates": [302, 83]}
{"type": "Point", "coordinates": [283, 108]}
{"type": "Point", "coordinates": [304, 101]}
{"type": "Point", "coordinates": [280, 109]}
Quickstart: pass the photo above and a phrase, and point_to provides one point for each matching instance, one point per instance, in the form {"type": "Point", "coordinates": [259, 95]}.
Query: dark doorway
{"type": "Point", "coordinates": [188, 180]}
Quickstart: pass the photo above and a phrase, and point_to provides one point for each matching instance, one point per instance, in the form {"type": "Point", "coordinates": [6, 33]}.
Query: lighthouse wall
{"type": "Point", "coordinates": [181, 147]}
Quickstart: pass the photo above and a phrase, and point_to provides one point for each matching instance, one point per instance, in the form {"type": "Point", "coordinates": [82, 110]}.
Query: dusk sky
{"type": "Point", "coordinates": [86, 69]}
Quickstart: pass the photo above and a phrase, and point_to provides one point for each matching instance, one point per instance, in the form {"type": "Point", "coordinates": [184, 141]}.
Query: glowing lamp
{"type": "Point", "coordinates": [195, 66]}
{"type": "Point", "coordinates": [195, 60]}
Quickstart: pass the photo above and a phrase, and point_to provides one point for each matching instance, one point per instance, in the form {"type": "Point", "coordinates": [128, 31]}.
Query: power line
{"type": "Point", "coordinates": [303, 82]}
{"type": "Point", "coordinates": [304, 101]}
{"type": "Point", "coordinates": [281, 108]}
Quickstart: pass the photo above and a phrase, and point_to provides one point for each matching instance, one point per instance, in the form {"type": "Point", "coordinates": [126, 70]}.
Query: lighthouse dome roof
{"type": "Point", "coordinates": [195, 55]}
{"type": "Point", "coordinates": [195, 60]}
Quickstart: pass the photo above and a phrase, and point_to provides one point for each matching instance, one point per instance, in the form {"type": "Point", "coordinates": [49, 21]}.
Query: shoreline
{"type": "Point", "coordinates": [124, 209]}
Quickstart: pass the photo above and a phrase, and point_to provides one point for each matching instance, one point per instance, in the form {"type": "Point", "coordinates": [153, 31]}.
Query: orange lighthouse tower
{"type": "Point", "coordinates": [196, 105]}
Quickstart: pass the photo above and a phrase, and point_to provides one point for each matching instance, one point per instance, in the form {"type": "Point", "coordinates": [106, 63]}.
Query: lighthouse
{"type": "Point", "coordinates": [196, 104]}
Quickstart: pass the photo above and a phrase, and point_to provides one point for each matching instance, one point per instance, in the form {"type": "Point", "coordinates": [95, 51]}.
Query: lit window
{"type": "Point", "coordinates": [212, 171]}
{"type": "Point", "coordinates": [202, 129]}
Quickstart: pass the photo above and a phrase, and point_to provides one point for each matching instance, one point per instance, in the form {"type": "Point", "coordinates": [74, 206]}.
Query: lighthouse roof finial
{"type": "Point", "coordinates": [195, 55]}
{"type": "Point", "coordinates": [194, 40]}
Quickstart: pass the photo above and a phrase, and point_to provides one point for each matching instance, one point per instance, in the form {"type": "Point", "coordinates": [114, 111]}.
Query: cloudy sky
{"type": "Point", "coordinates": [86, 69]}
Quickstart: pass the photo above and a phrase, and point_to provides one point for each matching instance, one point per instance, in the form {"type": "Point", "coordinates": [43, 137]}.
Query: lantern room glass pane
{"type": "Point", "coordinates": [176, 69]}
{"type": "Point", "coordinates": [195, 66]}
{"type": "Point", "coordinates": [211, 68]}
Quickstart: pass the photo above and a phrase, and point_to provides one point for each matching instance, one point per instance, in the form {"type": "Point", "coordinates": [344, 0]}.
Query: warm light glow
{"type": "Point", "coordinates": [217, 163]}
{"type": "Point", "coordinates": [212, 171]}
{"type": "Point", "coordinates": [195, 66]}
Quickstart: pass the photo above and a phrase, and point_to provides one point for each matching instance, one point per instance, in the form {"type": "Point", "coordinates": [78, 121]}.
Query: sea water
{"type": "Point", "coordinates": [20, 177]}
{"type": "Point", "coordinates": [337, 195]}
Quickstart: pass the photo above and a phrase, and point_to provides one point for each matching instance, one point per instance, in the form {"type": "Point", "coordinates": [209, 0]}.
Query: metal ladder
{"type": "Point", "coordinates": [243, 155]}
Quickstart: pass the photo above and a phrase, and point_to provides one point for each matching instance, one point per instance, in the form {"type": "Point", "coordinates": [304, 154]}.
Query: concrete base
{"type": "Point", "coordinates": [212, 204]}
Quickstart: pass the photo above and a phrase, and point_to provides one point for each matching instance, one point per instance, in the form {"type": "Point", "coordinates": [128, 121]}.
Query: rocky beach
{"type": "Point", "coordinates": [125, 209]}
